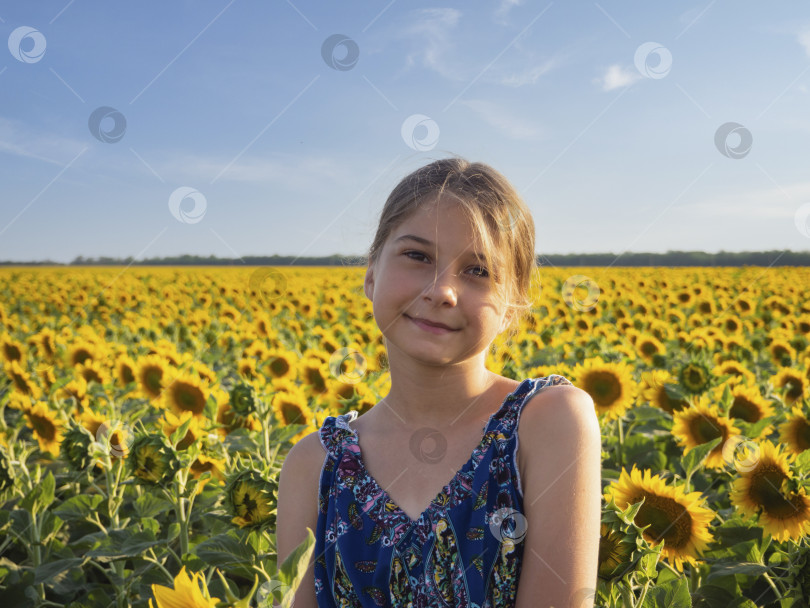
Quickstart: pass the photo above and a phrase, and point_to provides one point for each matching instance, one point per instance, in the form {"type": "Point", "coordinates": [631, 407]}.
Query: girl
{"type": "Point", "coordinates": [448, 271]}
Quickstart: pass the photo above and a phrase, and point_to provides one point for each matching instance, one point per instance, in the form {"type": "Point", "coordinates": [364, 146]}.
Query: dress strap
{"type": "Point", "coordinates": [335, 433]}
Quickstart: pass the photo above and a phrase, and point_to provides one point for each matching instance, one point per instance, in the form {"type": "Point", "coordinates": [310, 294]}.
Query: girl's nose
{"type": "Point", "coordinates": [442, 289]}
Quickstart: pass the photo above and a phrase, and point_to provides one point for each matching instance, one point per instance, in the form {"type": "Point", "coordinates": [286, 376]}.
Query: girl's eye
{"type": "Point", "coordinates": [479, 271]}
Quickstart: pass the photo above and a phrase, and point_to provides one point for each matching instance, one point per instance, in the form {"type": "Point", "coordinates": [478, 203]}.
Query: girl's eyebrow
{"type": "Point", "coordinates": [427, 243]}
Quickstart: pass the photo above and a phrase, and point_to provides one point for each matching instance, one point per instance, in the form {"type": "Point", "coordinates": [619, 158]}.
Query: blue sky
{"type": "Point", "coordinates": [229, 133]}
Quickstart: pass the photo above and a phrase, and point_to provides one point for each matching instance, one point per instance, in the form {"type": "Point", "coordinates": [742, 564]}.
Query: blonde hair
{"type": "Point", "coordinates": [501, 221]}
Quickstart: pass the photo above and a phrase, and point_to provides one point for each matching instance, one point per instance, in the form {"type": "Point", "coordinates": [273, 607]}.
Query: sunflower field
{"type": "Point", "coordinates": [146, 413]}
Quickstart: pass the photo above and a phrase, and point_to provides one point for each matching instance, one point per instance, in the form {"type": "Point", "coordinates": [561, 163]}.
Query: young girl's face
{"type": "Point", "coordinates": [428, 270]}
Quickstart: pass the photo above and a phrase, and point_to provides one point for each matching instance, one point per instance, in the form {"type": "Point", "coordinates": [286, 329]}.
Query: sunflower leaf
{"type": "Point", "coordinates": [180, 432]}
{"type": "Point", "coordinates": [672, 594]}
{"type": "Point", "coordinates": [693, 459]}
{"type": "Point", "coordinates": [294, 567]}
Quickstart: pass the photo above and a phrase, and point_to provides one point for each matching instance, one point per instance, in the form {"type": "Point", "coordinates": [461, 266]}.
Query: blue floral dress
{"type": "Point", "coordinates": [464, 550]}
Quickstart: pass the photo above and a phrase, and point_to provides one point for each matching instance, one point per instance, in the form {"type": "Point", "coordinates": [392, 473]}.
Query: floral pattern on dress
{"type": "Point", "coordinates": [371, 554]}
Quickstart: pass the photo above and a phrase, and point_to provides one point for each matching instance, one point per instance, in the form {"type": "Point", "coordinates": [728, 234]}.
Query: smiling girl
{"type": "Point", "coordinates": [461, 487]}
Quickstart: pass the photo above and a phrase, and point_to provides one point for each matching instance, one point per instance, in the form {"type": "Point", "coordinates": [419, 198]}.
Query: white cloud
{"type": "Point", "coordinates": [504, 120]}
{"type": "Point", "coordinates": [616, 77]}
{"type": "Point", "coordinates": [505, 6]}
{"type": "Point", "coordinates": [804, 40]}
{"type": "Point", "coordinates": [18, 139]}
{"type": "Point", "coordinates": [530, 76]}
{"type": "Point", "coordinates": [777, 202]}
{"type": "Point", "coordinates": [294, 173]}
{"type": "Point", "coordinates": [431, 31]}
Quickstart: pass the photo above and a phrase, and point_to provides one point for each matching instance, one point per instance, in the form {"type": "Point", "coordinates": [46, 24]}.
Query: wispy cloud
{"type": "Point", "coordinates": [617, 76]}
{"type": "Point", "coordinates": [431, 30]}
{"type": "Point", "coordinates": [295, 173]}
{"type": "Point", "coordinates": [505, 6]}
{"type": "Point", "coordinates": [804, 40]}
{"type": "Point", "coordinates": [504, 119]}
{"type": "Point", "coordinates": [530, 75]}
{"type": "Point", "coordinates": [776, 202]}
{"type": "Point", "coordinates": [18, 139]}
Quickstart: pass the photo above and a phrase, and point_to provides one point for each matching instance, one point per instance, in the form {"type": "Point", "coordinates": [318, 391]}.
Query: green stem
{"type": "Point", "coordinates": [619, 424]}
{"type": "Point", "coordinates": [640, 601]}
{"type": "Point", "coordinates": [771, 583]}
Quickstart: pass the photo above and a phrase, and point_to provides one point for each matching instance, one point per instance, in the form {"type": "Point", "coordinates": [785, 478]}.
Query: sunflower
{"type": "Point", "coordinates": [279, 364]}
{"type": "Point", "coordinates": [699, 424]}
{"type": "Point", "coordinates": [313, 372]}
{"type": "Point", "coordinates": [795, 431]}
{"type": "Point", "coordinates": [187, 593]}
{"type": "Point", "coordinates": [291, 408]}
{"type": "Point", "coordinates": [763, 490]}
{"type": "Point", "coordinates": [76, 391]}
{"type": "Point", "coordinates": [45, 341]}
{"type": "Point", "coordinates": [92, 371]}
{"type": "Point", "coordinates": [782, 353]}
{"type": "Point", "coordinates": [125, 370]}
{"type": "Point", "coordinates": [251, 499]}
{"type": "Point", "coordinates": [673, 515]}
{"type": "Point", "coordinates": [614, 551]}
{"type": "Point", "coordinates": [186, 393]}
{"type": "Point", "coordinates": [203, 464]}
{"type": "Point", "coordinates": [152, 460]}
{"type": "Point", "coordinates": [694, 377]}
{"type": "Point", "coordinates": [151, 375]}
{"type": "Point", "coordinates": [648, 346]}
{"type": "Point", "coordinates": [11, 349]}
{"type": "Point", "coordinates": [76, 445]}
{"type": "Point", "coordinates": [654, 391]}
{"type": "Point", "coordinates": [46, 427]}
{"type": "Point", "coordinates": [735, 369]}
{"type": "Point", "coordinates": [172, 422]}
{"type": "Point", "coordinates": [747, 403]}
{"type": "Point", "coordinates": [791, 382]}
{"type": "Point", "coordinates": [117, 441]}
{"type": "Point", "coordinates": [610, 385]}
{"type": "Point", "coordinates": [21, 380]}
{"type": "Point", "coordinates": [81, 352]}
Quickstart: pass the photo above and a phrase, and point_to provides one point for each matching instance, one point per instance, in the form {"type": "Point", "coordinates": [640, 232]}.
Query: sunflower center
{"type": "Point", "coordinates": [604, 388]}
{"type": "Point", "coordinates": [745, 409]}
{"type": "Point", "coordinates": [648, 348]}
{"type": "Point", "coordinates": [291, 413]}
{"type": "Point", "coordinates": [668, 520]}
{"type": "Point", "coordinates": [802, 433]}
{"type": "Point", "coordinates": [189, 398]}
{"type": "Point", "coordinates": [12, 353]}
{"type": "Point", "coordinates": [127, 375]}
{"type": "Point", "coordinates": [703, 430]}
{"type": "Point", "coordinates": [766, 492]}
{"type": "Point", "coordinates": [152, 379]}
{"type": "Point", "coordinates": [81, 355]}
{"type": "Point", "coordinates": [44, 427]}
{"type": "Point", "coordinates": [279, 367]}
{"type": "Point", "coordinates": [794, 386]}
{"type": "Point", "coordinates": [694, 378]}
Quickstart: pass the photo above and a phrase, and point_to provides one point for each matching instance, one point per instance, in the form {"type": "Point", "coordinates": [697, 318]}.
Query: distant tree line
{"type": "Point", "coordinates": [670, 258]}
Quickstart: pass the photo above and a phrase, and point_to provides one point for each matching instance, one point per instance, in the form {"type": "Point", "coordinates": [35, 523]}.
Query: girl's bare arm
{"type": "Point", "coordinates": [561, 448]}
{"type": "Point", "coordinates": [298, 507]}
